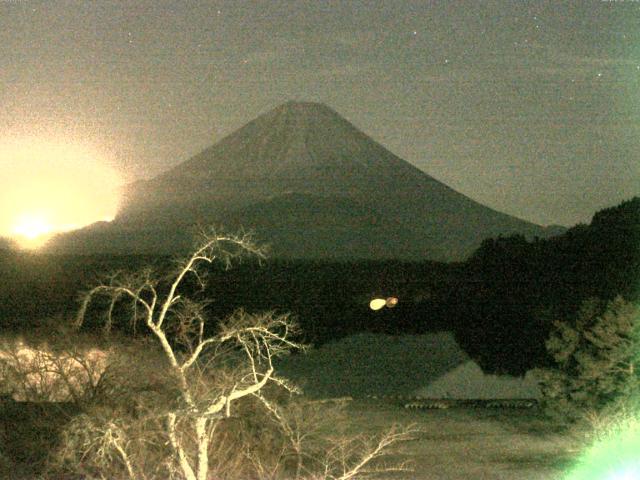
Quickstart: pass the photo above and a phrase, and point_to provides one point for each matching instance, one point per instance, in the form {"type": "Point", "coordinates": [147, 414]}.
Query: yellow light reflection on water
{"type": "Point", "coordinates": [377, 303]}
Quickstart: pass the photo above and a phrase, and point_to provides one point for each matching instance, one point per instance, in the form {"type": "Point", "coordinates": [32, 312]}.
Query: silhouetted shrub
{"type": "Point", "coordinates": [597, 360]}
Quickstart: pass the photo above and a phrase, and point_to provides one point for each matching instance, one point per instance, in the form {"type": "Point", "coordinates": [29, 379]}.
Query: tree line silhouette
{"type": "Point", "coordinates": [500, 303]}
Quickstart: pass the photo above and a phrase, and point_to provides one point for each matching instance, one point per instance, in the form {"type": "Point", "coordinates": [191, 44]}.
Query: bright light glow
{"type": "Point", "coordinates": [49, 186]}
{"type": "Point", "coordinates": [615, 456]}
{"type": "Point", "coordinates": [391, 302]}
{"type": "Point", "coordinates": [627, 473]}
{"type": "Point", "coordinates": [31, 227]}
{"type": "Point", "coordinates": [377, 303]}
{"type": "Point", "coordinates": [32, 231]}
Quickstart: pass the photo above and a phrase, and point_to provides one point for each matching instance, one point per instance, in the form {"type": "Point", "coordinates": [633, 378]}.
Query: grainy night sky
{"type": "Point", "coordinates": [532, 108]}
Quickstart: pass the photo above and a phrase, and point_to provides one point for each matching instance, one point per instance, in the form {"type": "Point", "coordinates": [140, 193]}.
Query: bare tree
{"type": "Point", "coordinates": [215, 379]}
{"type": "Point", "coordinates": [352, 457]}
{"type": "Point", "coordinates": [322, 448]}
{"type": "Point", "coordinates": [41, 372]}
{"type": "Point", "coordinates": [258, 339]}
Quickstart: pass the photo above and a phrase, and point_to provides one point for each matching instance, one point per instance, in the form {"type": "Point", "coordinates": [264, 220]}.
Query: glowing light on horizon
{"type": "Point", "coordinates": [48, 187]}
{"type": "Point", "coordinates": [32, 227]}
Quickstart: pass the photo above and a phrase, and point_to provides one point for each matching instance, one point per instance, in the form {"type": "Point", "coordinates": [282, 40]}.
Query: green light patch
{"type": "Point", "coordinates": [616, 456]}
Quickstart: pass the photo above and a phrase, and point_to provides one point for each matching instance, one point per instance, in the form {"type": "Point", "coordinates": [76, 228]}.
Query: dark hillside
{"type": "Point", "coordinates": [330, 299]}
{"type": "Point", "coordinates": [515, 288]}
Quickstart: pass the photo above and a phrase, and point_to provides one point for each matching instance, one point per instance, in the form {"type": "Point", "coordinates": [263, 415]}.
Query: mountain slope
{"type": "Point", "coordinates": [312, 185]}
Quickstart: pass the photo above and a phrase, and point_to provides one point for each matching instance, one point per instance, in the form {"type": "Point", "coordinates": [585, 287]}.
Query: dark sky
{"type": "Point", "coordinates": [532, 108]}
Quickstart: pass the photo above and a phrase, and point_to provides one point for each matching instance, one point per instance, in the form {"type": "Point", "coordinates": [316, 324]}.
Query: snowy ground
{"type": "Point", "coordinates": [431, 365]}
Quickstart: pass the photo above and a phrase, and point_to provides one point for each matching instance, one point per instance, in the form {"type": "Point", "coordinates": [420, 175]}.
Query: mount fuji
{"type": "Point", "coordinates": [311, 185]}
